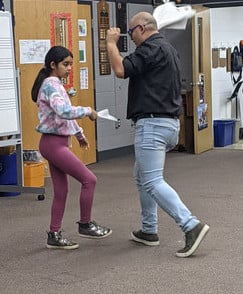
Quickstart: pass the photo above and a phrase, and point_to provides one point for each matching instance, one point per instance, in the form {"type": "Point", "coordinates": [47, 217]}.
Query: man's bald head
{"type": "Point", "coordinates": [145, 18]}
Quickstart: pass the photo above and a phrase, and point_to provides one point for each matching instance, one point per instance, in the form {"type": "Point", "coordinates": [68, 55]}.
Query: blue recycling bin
{"type": "Point", "coordinates": [224, 132]}
{"type": "Point", "coordinates": [8, 172]}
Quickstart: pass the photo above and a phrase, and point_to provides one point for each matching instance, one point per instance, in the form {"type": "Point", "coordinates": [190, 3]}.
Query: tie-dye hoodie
{"type": "Point", "coordinates": [55, 112]}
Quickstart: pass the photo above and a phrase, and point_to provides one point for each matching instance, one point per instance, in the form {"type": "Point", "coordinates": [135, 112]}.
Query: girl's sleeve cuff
{"type": "Point", "coordinates": [80, 135]}
{"type": "Point", "coordinates": [87, 110]}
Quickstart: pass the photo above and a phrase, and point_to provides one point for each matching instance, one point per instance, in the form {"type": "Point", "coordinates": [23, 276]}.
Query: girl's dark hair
{"type": "Point", "coordinates": [56, 54]}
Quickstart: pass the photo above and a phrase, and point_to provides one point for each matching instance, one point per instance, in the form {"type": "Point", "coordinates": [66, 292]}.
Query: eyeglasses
{"type": "Point", "coordinates": [130, 31]}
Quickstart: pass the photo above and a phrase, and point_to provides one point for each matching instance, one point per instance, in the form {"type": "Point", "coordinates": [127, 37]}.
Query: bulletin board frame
{"type": "Point", "coordinates": [9, 102]}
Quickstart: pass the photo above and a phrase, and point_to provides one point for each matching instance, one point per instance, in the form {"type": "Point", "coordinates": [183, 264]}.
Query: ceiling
{"type": "Point", "coordinates": [214, 3]}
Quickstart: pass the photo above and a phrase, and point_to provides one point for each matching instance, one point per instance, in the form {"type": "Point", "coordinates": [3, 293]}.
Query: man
{"type": "Point", "coordinates": [154, 104]}
{"type": "Point", "coordinates": [2, 5]}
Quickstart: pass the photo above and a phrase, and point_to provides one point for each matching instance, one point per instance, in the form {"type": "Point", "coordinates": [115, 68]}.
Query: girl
{"type": "Point", "coordinates": [56, 124]}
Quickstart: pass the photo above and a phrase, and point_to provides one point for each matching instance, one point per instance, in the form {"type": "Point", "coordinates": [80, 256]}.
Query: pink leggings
{"type": "Point", "coordinates": [62, 162]}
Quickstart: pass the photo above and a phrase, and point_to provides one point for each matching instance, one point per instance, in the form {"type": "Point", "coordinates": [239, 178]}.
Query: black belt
{"type": "Point", "coordinates": [151, 115]}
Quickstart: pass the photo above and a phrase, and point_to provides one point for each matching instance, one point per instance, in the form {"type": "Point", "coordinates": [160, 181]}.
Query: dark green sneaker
{"type": "Point", "coordinates": [56, 241]}
{"type": "Point", "coordinates": [193, 239]}
{"type": "Point", "coordinates": [145, 238]}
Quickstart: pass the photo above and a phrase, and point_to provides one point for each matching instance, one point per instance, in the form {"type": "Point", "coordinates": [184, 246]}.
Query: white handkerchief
{"type": "Point", "coordinates": [105, 114]}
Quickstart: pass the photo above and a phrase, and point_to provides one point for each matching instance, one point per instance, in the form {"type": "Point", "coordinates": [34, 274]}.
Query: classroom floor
{"type": "Point", "coordinates": [210, 184]}
{"type": "Point", "coordinates": [238, 145]}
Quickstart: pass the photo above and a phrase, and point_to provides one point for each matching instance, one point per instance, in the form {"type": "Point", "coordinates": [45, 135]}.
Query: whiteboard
{"type": "Point", "coordinates": [9, 102]}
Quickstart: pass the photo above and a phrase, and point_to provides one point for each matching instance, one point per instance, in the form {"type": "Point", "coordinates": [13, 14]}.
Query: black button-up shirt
{"type": "Point", "coordinates": [155, 79]}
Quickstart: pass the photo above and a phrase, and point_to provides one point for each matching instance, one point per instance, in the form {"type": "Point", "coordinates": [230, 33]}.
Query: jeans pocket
{"type": "Point", "coordinates": [151, 133]}
{"type": "Point", "coordinates": [172, 139]}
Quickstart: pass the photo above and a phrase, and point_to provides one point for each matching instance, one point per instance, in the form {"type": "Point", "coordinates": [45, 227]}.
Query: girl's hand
{"type": "Point", "coordinates": [93, 115]}
{"type": "Point", "coordinates": [83, 143]}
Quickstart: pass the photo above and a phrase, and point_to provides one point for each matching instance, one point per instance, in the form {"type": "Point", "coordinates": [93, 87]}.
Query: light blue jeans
{"type": "Point", "coordinates": [153, 138]}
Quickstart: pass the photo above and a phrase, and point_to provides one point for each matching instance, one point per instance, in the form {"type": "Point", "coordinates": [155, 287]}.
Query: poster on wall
{"type": "Point", "coordinates": [84, 85]}
{"type": "Point", "coordinates": [33, 51]}
{"type": "Point", "coordinates": [202, 116]}
{"type": "Point", "coordinates": [82, 28]}
{"type": "Point", "coordinates": [201, 88]}
{"type": "Point", "coordinates": [82, 51]}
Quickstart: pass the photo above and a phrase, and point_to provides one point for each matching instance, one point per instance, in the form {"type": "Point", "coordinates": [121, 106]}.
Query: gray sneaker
{"type": "Point", "coordinates": [93, 231]}
{"type": "Point", "coordinates": [145, 238]}
{"type": "Point", "coordinates": [56, 241]}
{"type": "Point", "coordinates": [193, 239]}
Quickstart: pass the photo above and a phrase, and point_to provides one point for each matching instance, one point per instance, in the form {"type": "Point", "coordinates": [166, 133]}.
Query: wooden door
{"type": "Point", "coordinates": [34, 21]}
{"type": "Point", "coordinates": [201, 67]}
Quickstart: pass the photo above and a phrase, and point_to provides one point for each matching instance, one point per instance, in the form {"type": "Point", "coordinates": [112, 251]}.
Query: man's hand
{"type": "Point", "coordinates": [113, 35]}
{"type": "Point", "coordinates": [115, 58]}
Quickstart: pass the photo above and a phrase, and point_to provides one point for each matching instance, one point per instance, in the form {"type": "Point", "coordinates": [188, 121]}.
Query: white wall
{"type": "Point", "coordinates": [226, 31]}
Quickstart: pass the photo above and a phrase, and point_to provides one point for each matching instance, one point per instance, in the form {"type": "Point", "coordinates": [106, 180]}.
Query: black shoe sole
{"type": "Point", "coordinates": [145, 242]}
{"type": "Point", "coordinates": [95, 237]}
{"type": "Point", "coordinates": [199, 239]}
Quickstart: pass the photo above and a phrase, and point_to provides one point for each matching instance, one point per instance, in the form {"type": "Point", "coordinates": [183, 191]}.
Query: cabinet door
{"type": "Point", "coordinates": [202, 100]}
{"type": "Point", "coordinates": [34, 21]}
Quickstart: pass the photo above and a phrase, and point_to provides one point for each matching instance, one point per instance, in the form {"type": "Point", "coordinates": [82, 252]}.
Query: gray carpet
{"type": "Point", "coordinates": [210, 184]}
